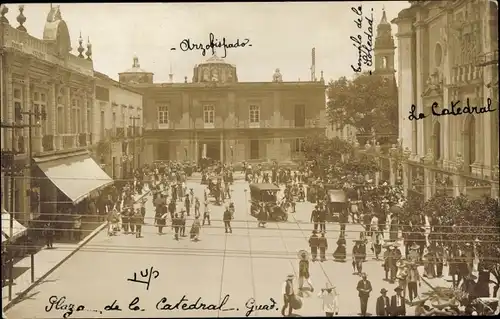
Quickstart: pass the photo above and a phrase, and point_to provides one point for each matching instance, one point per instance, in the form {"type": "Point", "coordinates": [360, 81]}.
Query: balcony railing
{"type": "Point", "coordinates": [82, 139]}
{"type": "Point", "coordinates": [48, 143]}
{"type": "Point", "coordinates": [68, 141]}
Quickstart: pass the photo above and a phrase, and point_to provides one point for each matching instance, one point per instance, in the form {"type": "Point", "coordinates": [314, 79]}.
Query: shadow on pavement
{"type": "Point", "coordinates": [29, 296]}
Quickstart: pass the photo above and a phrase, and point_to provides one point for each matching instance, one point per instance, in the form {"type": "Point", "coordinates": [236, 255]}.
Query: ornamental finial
{"type": "Point", "coordinates": [89, 50]}
{"type": "Point", "coordinates": [80, 46]}
{"type": "Point", "coordinates": [3, 11]}
{"type": "Point", "coordinates": [21, 19]}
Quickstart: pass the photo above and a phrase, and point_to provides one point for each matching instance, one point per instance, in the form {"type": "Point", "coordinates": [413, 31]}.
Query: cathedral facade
{"type": "Point", "coordinates": [449, 53]}
{"type": "Point", "coordinates": [216, 116]}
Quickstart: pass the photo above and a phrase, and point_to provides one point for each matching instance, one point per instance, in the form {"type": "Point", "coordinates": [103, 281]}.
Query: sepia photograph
{"type": "Point", "coordinates": [250, 159]}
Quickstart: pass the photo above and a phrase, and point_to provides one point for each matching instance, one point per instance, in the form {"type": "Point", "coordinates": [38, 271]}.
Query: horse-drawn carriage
{"type": "Point", "coordinates": [266, 194]}
{"type": "Point", "coordinates": [336, 204]}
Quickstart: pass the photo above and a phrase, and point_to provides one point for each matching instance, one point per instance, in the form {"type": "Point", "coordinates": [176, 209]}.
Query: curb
{"type": "Point", "coordinates": [82, 243]}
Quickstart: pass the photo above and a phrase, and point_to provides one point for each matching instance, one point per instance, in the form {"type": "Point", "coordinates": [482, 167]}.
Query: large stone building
{"type": "Point", "coordinates": [43, 76]}
{"type": "Point", "coordinates": [448, 51]}
{"type": "Point", "coordinates": [219, 117]}
{"type": "Point", "coordinates": [118, 114]}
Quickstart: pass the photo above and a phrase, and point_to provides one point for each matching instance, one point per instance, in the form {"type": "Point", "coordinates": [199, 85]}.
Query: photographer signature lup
{"type": "Point", "coordinates": [364, 49]}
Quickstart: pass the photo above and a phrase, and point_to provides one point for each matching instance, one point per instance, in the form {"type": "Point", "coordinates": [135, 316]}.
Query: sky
{"type": "Point", "coordinates": [282, 35]}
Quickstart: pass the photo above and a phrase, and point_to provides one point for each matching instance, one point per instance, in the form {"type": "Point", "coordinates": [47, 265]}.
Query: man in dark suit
{"type": "Point", "coordinates": [398, 307]}
{"type": "Point", "coordinates": [364, 288]}
{"type": "Point", "coordinates": [383, 304]}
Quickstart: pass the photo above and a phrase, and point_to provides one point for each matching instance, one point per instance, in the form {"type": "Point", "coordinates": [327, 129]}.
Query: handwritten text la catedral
{"type": "Point", "coordinates": [365, 47]}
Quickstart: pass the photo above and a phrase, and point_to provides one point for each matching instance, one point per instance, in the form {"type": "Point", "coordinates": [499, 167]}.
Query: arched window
{"type": "Point", "coordinates": [436, 138]}
{"type": "Point", "coordinates": [384, 63]}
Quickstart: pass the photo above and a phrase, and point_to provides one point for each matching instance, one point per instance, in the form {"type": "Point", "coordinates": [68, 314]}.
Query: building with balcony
{"type": "Point", "coordinates": [449, 53]}
{"type": "Point", "coordinates": [43, 76]}
{"type": "Point", "coordinates": [118, 127]}
{"type": "Point", "coordinates": [219, 117]}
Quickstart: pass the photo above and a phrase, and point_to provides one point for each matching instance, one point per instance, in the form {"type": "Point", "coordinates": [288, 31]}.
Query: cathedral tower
{"type": "Point", "coordinates": [384, 49]}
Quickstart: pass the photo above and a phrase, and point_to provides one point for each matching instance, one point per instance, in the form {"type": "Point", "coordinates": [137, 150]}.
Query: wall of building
{"type": "Point", "coordinates": [50, 77]}
{"type": "Point", "coordinates": [124, 103]}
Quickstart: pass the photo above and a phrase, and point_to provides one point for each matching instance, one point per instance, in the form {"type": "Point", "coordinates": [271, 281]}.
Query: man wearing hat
{"type": "Point", "coordinates": [398, 307]}
{"type": "Point", "coordinates": [364, 288]}
{"type": "Point", "coordinates": [413, 280]}
{"type": "Point", "coordinates": [288, 295]}
{"type": "Point", "coordinates": [315, 217]}
{"type": "Point", "coordinates": [383, 304]}
{"type": "Point", "coordinates": [313, 244]}
{"type": "Point", "coordinates": [329, 296]}
{"type": "Point", "coordinates": [304, 274]}
{"type": "Point", "coordinates": [323, 246]}
{"type": "Point", "coordinates": [358, 255]}
{"type": "Point", "coordinates": [414, 252]}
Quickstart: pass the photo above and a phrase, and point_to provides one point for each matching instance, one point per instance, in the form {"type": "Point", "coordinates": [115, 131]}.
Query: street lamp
{"type": "Point", "coordinates": [133, 119]}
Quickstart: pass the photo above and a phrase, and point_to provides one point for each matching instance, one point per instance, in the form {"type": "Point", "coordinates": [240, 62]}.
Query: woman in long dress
{"type": "Point", "coordinates": [340, 252]}
{"type": "Point", "coordinates": [195, 229]}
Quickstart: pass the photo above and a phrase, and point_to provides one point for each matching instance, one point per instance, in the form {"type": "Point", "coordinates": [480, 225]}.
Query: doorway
{"type": "Point", "coordinates": [212, 150]}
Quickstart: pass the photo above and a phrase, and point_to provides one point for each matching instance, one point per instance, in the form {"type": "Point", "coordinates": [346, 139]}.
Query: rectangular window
{"type": "Point", "coordinates": [298, 147]}
{"type": "Point", "coordinates": [60, 119]}
{"type": "Point", "coordinates": [254, 116]}
{"type": "Point", "coordinates": [254, 149]}
{"type": "Point", "coordinates": [74, 121]}
{"type": "Point", "coordinates": [103, 125]}
{"type": "Point", "coordinates": [89, 122]}
{"type": "Point", "coordinates": [163, 117]}
{"type": "Point", "coordinates": [113, 124]}
{"type": "Point", "coordinates": [300, 115]}
{"type": "Point", "coordinates": [209, 115]}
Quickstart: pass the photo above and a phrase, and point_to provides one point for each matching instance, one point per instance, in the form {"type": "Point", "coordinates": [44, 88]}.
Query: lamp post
{"type": "Point", "coordinates": [134, 118]}
{"type": "Point", "coordinates": [14, 170]}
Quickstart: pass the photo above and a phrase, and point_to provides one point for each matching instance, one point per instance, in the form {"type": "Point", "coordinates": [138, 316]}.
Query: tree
{"type": "Point", "coordinates": [366, 102]}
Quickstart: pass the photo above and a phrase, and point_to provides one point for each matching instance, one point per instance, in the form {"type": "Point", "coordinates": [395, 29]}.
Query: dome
{"type": "Point", "coordinates": [136, 67]}
{"type": "Point", "coordinates": [56, 31]}
{"type": "Point", "coordinates": [135, 74]}
{"type": "Point", "coordinates": [215, 69]}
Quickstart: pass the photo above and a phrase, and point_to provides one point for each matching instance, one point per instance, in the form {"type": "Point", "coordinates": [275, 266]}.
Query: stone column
{"type": "Point", "coordinates": [421, 66]}
{"type": "Point", "coordinates": [405, 96]}
{"type": "Point", "coordinates": [428, 183]}
{"type": "Point", "coordinates": [6, 133]}
{"type": "Point", "coordinates": [221, 147]}
{"type": "Point", "coordinates": [392, 172]}
{"type": "Point", "coordinates": [196, 147]}
{"type": "Point", "coordinates": [406, 178]}
{"type": "Point", "coordinates": [52, 112]}
{"type": "Point", "coordinates": [28, 106]}
{"type": "Point", "coordinates": [67, 113]}
{"type": "Point", "coordinates": [26, 181]}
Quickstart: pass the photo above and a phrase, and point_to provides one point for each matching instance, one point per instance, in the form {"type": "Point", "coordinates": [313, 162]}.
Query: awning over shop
{"type": "Point", "coordinates": [75, 176]}
{"type": "Point", "coordinates": [17, 229]}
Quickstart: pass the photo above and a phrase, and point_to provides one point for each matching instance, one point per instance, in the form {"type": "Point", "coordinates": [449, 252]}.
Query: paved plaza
{"type": "Point", "coordinates": [250, 263]}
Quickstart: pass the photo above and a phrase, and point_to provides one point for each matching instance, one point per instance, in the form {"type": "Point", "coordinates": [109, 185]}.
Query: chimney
{"type": "Point", "coordinates": [171, 75]}
{"type": "Point", "coordinates": [313, 64]}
